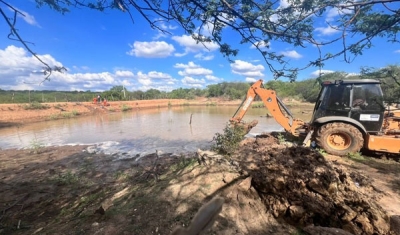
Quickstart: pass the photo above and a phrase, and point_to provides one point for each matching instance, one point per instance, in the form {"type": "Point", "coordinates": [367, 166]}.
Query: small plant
{"type": "Point", "coordinates": [111, 109]}
{"type": "Point", "coordinates": [125, 108]}
{"type": "Point", "coordinates": [211, 104]}
{"type": "Point", "coordinates": [356, 156]}
{"type": "Point", "coordinates": [67, 178]}
{"type": "Point", "coordinates": [228, 142]}
{"type": "Point", "coordinates": [281, 138]}
{"type": "Point", "coordinates": [169, 104]}
{"type": "Point", "coordinates": [57, 106]}
{"type": "Point", "coordinates": [321, 151]}
{"type": "Point", "coordinates": [36, 146]}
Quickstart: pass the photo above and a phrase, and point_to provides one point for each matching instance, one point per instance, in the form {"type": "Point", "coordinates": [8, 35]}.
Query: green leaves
{"type": "Point", "coordinates": [228, 141]}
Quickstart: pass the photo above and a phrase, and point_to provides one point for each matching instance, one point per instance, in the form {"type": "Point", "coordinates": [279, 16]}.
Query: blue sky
{"type": "Point", "coordinates": [105, 49]}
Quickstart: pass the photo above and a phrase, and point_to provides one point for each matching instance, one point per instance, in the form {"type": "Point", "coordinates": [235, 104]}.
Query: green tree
{"type": "Point", "coordinates": [390, 79]}
{"type": "Point", "coordinates": [256, 22]}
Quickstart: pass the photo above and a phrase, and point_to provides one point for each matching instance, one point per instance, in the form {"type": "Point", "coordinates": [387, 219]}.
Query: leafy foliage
{"type": "Point", "coordinates": [36, 146]}
{"type": "Point", "coordinates": [228, 141]}
{"type": "Point", "coordinates": [293, 23]}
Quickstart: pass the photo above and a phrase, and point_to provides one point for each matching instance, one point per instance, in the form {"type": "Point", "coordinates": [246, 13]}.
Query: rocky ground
{"type": "Point", "coordinates": [268, 187]}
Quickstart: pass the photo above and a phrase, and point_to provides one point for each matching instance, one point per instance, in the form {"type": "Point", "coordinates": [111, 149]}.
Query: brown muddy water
{"type": "Point", "coordinates": [140, 132]}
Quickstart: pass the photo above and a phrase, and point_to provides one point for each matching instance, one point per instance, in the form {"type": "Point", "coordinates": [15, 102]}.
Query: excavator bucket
{"type": "Point", "coordinates": [246, 126]}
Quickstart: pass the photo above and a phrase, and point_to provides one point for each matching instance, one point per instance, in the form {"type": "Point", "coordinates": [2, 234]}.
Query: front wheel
{"type": "Point", "coordinates": [339, 138]}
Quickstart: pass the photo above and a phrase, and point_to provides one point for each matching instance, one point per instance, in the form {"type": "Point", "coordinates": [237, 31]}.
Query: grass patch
{"type": "Point", "coordinates": [356, 156]}
{"type": "Point", "coordinates": [125, 108]}
{"type": "Point", "coordinates": [68, 178]}
{"type": "Point", "coordinates": [35, 106]}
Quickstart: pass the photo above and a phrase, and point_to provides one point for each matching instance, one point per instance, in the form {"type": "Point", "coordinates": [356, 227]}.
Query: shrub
{"type": "Point", "coordinates": [228, 142]}
{"type": "Point", "coordinates": [36, 146]}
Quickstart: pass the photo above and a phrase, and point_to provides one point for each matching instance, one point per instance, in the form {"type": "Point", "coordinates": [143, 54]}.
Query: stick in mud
{"type": "Point", "coordinates": [190, 122]}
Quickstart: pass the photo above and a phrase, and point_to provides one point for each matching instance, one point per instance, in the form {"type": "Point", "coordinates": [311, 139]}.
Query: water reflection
{"type": "Point", "coordinates": [166, 129]}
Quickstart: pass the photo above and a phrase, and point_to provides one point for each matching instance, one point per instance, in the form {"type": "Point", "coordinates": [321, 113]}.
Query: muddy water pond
{"type": "Point", "coordinates": [136, 133]}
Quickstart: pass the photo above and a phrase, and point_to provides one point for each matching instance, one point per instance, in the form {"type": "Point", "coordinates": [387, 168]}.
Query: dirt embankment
{"type": "Point", "coordinates": [22, 113]}
{"type": "Point", "coordinates": [268, 187]}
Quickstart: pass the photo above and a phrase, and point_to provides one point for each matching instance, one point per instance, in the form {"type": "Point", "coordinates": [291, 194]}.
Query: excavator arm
{"type": "Point", "coordinates": [275, 106]}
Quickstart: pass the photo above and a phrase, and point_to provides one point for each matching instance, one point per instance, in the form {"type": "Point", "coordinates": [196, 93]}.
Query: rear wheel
{"type": "Point", "coordinates": [339, 138]}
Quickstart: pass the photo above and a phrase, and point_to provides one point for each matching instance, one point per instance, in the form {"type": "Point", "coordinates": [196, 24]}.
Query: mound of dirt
{"type": "Point", "coordinates": [300, 186]}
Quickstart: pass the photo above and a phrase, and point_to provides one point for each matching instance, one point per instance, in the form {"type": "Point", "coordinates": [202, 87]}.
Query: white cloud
{"type": "Point", "coordinates": [201, 56]}
{"type": "Point", "coordinates": [28, 18]}
{"type": "Point", "coordinates": [247, 69]}
{"type": "Point", "coordinates": [397, 51]}
{"type": "Point", "coordinates": [292, 54]}
{"type": "Point", "coordinates": [261, 44]}
{"type": "Point", "coordinates": [80, 68]}
{"type": "Point", "coordinates": [192, 69]}
{"type": "Point", "coordinates": [19, 70]}
{"type": "Point", "coordinates": [18, 67]}
{"type": "Point", "coordinates": [323, 71]}
{"type": "Point", "coordinates": [251, 80]}
{"type": "Point", "coordinates": [213, 78]}
{"type": "Point", "coordinates": [191, 46]}
{"type": "Point", "coordinates": [192, 82]}
{"type": "Point", "coordinates": [154, 49]}
{"type": "Point", "coordinates": [154, 79]}
{"type": "Point", "coordinates": [333, 12]}
{"type": "Point", "coordinates": [159, 75]}
{"type": "Point", "coordinates": [328, 30]}
{"type": "Point", "coordinates": [124, 73]}
{"type": "Point", "coordinates": [167, 27]}
{"type": "Point", "coordinates": [143, 79]}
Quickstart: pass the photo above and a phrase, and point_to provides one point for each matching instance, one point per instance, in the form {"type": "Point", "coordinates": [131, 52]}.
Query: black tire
{"type": "Point", "coordinates": [339, 138]}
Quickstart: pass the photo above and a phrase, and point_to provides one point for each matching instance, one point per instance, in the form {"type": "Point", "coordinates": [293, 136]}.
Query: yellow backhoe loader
{"type": "Point", "coordinates": [348, 115]}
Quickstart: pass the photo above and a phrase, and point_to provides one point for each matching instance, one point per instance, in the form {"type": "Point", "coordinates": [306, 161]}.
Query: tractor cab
{"type": "Point", "coordinates": [359, 102]}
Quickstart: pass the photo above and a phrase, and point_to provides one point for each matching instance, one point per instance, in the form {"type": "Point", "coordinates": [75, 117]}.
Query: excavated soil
{"type": "Point", "coordinates": [301, 187]}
